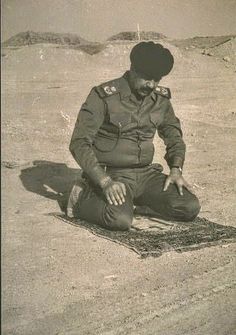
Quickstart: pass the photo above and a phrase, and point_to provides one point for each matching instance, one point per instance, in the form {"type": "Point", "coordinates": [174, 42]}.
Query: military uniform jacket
{"type": "Point", "coordinates": [113, 128]}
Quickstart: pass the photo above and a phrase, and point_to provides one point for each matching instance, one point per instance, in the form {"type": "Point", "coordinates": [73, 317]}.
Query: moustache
{"type": "Point", "coordinates": [146, 90]}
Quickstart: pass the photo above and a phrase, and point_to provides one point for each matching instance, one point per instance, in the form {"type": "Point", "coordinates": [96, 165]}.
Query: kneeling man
{"type": "Point", "coordinates": [113, 144]}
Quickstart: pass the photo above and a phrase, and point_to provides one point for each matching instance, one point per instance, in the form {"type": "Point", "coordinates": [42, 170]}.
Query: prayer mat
{"type": "Point", "coordinates": [153, 236]}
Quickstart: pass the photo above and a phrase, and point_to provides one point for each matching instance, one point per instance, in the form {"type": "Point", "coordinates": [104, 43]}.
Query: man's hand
{"type": "Point", "coordinates": [175, 177]}
{"type": "Point", "coordinates": [115, 192]}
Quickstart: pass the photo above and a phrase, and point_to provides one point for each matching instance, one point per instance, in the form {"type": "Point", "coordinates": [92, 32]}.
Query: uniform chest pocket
{"type": "Point", "coordinates": [156, 118]}
{"type": "Point", "coordinates": [120, 119]}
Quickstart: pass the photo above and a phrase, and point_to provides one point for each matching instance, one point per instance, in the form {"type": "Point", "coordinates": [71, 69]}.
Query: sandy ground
{"type": "Point", "coordinates": [60, 279]}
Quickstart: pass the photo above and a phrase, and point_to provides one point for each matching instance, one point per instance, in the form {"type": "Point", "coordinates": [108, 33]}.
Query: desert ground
{"type": "Point", "coordinates": [60, 279]}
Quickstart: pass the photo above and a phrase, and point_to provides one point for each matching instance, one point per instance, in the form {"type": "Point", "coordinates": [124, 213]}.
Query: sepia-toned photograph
{"type": "Point", "coordinates": [118, 166]}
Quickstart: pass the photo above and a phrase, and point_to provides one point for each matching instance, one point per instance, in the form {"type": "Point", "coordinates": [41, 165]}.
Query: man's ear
{"type": "Point", "coordinates": [132, 69]}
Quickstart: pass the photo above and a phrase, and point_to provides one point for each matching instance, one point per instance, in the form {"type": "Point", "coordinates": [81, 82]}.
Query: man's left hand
{"type": "Point", "coordinates": [175, 177]}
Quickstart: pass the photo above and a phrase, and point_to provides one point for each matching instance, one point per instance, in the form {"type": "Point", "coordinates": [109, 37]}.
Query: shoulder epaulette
{"type": "Point", "coordinates": [106, 90]}
{"type": "Point", "coordinates": [164, 91]}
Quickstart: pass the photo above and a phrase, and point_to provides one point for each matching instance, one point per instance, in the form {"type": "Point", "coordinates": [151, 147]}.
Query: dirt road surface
{"type": "Point", "coordinates": [59, 279]}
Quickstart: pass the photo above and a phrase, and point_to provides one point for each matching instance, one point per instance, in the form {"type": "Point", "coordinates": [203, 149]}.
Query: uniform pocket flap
{"type": "Point", "coordinates": [120, 119]}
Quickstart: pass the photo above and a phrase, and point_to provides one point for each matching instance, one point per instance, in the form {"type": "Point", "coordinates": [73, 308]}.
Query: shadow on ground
{"type": "Point", "coordinates": [51, 180]}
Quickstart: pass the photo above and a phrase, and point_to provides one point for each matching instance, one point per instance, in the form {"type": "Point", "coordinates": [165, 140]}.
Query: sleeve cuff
{"type": "Point", "coordinates": [176, 161]}
{"type": "Point", "coordinates": [98, 176]}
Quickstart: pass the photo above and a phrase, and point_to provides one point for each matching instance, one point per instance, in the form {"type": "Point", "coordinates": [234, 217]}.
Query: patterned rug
{"type": "Point", "coordinates": [152, 236]}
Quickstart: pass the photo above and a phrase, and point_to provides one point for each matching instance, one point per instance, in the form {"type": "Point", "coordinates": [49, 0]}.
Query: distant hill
{"type": "Point", "coordinates": [133, 36]}
{"type": "Point", "coordinates": [225, 51]}
{"type": "Point", "coordinates": [202, 42]}
{"type": "Point", "coordinates": [31, 37]}
{"type": "Point", "coordinates": [222, 45]}
{"type": "Point", "coordinates": [67, 40]}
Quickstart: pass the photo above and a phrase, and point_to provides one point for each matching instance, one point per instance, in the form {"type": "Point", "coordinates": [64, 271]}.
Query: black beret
{"type": "Point", "coordinates": [151, 59]}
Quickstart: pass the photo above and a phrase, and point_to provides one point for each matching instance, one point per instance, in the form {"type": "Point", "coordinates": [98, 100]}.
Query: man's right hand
{"type": "Point", "coordinates": [115, 192]}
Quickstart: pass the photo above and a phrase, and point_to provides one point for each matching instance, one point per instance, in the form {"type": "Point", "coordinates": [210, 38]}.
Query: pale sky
{"type": "Point", "coordinates": [96, 20]}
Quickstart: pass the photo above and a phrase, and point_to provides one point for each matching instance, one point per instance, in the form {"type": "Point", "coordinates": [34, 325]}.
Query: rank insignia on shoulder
{"type": "Point", "coordinates": [164, 91]}
{"type": "Point", "coordinates": [106, 90]}
{"type": "Point", "coordinates": [109, 90]}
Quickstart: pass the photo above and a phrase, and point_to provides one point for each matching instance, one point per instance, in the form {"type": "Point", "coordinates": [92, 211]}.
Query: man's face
{"type": "Point", "coordinates": [140, 84]}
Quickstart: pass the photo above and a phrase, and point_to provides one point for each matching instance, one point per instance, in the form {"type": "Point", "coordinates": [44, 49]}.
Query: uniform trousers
{"type": "Point", "coordinates": [144, 187]}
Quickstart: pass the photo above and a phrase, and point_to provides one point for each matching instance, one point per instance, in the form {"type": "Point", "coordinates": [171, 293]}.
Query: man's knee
{"type": "Point", "coordinates": [116, 219]}
{"type": "Point", "coordinates": [182, 208]}
{"type": "Point", "coordinates": [191, 208]}
{"type": "Point", "coordinates": [123, 222]}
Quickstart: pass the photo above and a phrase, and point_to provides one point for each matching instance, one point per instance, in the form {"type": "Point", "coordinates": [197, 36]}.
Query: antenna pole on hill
{"type": "Point", "coordinates": [138, 32]}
